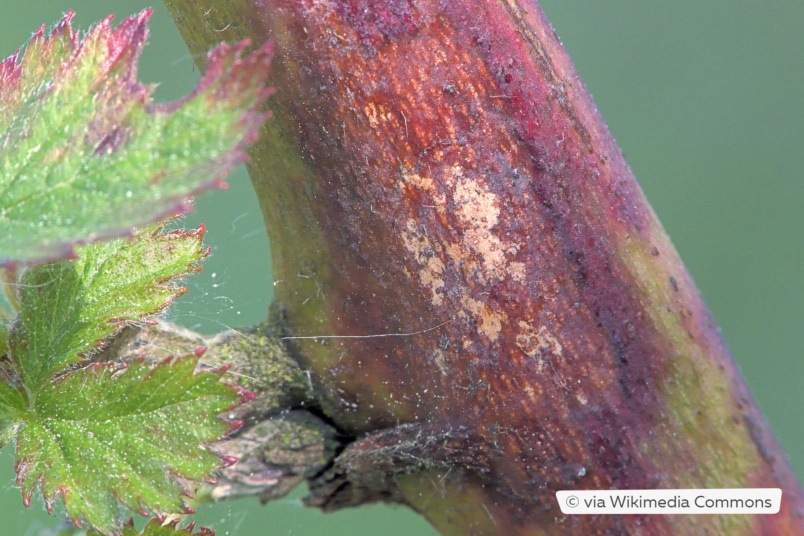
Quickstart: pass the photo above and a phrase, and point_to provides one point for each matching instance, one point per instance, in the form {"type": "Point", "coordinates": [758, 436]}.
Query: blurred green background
{"type": "Point", "coordinates": [705, 98]}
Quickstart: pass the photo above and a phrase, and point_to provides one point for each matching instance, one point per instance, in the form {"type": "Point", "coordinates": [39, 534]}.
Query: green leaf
{"type": "Point", "coordinates": [155, 528]}
{"type": "Point", "coordinates": [85, 154]}
{"type": "Point", "coordinates": [107, 433]}
{"type": "Point", "coordinates": [5, 333]}
{"type": "Point", "coordinates": [12, 405]}
{"type": "Point", "coordinates": [67, 307]}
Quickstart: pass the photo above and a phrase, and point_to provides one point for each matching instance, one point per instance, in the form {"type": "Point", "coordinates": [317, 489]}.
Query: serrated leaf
{"type": "Point", "coordinates": [67, 307]}
{"type": "Point", "coordinates": [155, 528]}
{"type": "Point", "coordinates": [12, 404]}
{"type": "Point", "coordinates": [5, 333]}
{"type": "Point", "coordinates": [106, 434]}
{"type": "Point", "coordinates": [84, 153]}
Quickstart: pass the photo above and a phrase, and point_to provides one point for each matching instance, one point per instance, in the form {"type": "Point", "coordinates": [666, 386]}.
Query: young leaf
{"type": "Point", "coordinates": [12, 404]}
{"type": "Point", "coordinates": [106, 434]}
{"type": "Point", "coordinates": [5, 332]}
{"type": "Point", "coordinates": [84, 153]}
{"type": "Point", "coordinates": [66, 307]}
{"type": "Point", "coordinates": [155, 528]}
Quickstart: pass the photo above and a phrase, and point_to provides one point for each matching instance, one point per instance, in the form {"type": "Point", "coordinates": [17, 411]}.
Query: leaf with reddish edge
{"type": "Point", "coordinates": [484, 267]}
{"type": "Point", "coordinates": [156, 528]}
{"type": "Point", "coordinates": [68, 307]}
{"type": "Point", "coordinates": [110, 434]}
{"type": "Point", "coordinates": [85, 154]}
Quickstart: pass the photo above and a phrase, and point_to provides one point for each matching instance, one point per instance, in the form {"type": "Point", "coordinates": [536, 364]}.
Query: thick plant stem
{"type": "Point", "coordinates": [468, 268]}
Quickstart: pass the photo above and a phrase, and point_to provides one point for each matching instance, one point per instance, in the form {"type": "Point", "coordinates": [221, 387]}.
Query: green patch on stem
{"type": "Point", "coordinates": [84, 153]}
{"type": "Point", "coordinates": [700, 424]}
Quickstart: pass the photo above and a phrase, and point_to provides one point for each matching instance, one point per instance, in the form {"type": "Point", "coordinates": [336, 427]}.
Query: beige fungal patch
{"type": "Point", "coordinates": [430, 276]}
{"type": "Point", "coordinates": [477, 205]}
{"type": "Point", "coordinates": [489, 322]}
{"type": "Point", "coordinates": [462, 257]}
{"type": "Point", "coordinates": [581, 397]}
{"type": "Point", "coordinates": [441, 361]}
{"type": "Point", "coordinates": [426, 184]}
{"type": "Point", "coordinates": [479, 212]}
{"type": "Point", "coordinates": [432, 267]}
{"type": "Point", "coordinates": [412, 239]}
{"type": "Point", "coordinates": [517, 271]}
{"type": "Point", "coordinates": [376, 114]}
{"type": "Point", "coordinates": [371, 114]}
{"type": "Point", "coordinates": [414, 179]}
{"type": "Point", "coordinates": [538, 344]}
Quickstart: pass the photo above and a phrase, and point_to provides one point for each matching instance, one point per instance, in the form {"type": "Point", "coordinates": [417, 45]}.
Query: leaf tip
{"type": "Point", "coordinates": [63, 26]}
{"type": "Point", "coordinates": [233, 427]}
{"type": "Point", "coordinates": [245, 394]}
